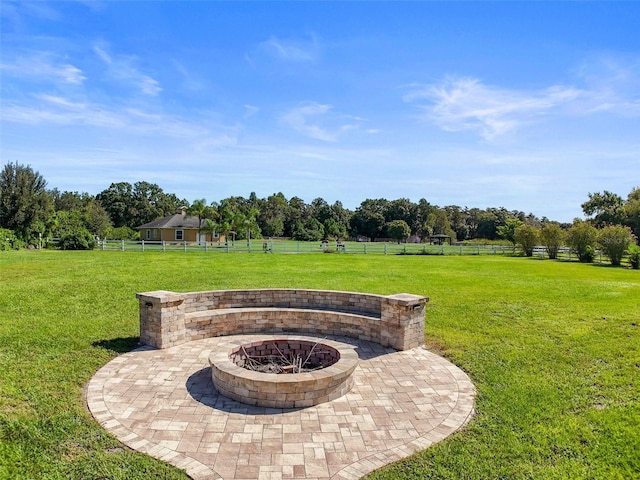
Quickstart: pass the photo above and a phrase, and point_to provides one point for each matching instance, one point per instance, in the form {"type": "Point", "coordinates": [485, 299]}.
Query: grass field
{"type": "Point", "coordinates": [553, 348]}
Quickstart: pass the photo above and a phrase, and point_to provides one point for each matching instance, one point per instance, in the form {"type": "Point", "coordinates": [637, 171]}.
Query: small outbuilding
{"type": "Point", "coordinates": [439, 239]}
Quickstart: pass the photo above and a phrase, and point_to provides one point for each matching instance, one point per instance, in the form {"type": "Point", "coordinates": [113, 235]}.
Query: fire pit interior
{"type": "Point", "coordinates": [284, 356]}
{"type": "Point", "coordinates": [320, 370]}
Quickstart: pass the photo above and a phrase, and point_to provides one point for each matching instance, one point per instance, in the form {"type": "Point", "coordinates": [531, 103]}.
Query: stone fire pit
{"type": "Point", "coordinates": [316, 371]}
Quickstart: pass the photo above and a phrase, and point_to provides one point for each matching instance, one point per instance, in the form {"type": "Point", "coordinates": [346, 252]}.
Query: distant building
{"type": "Point", "coordinates": [439, 239]}
{"type": "Point", "coordinates": [179, 227]}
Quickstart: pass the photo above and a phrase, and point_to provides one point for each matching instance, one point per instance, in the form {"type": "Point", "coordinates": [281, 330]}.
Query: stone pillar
{"type": "Point", "coordinates": [161, 318]}
{"type": "Point", "coordinates": [402, 321]}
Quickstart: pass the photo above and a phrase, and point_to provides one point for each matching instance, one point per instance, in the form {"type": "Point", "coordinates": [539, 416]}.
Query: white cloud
{"type": "Point", "coordinates": [18, 11]}
{"type": "Point", "coordinates": [190, 81]}
{"type": "Point", "coordinates": [467, 104]}
{"type": "Point", "coordinates": [291, 50]}
{"type": "Point", "coordinates": [123, 69]}
{"type": "Point", "coordinates": [57, 110]}
{"type": "Point", "coordinates": [306, 120]}
{"type": "Point", "coordinates": [613, 83]}
{"type": "Point", "coordinates": [606, 84]}
{"type": "Point", "coordinates": [250, 110]}
{"type": "Point", "coordinates": [42, 66]}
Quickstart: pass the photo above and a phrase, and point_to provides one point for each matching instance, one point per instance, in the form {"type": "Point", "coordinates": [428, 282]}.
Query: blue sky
{"type": "Point", "coordinates": [527, 106]}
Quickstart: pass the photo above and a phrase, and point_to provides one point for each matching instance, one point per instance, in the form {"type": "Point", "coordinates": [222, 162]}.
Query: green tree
{"type": "Point", "coordinates": [117, 200]}
{"type": "Point", "coordinates": [606, 209]}
{"type": "Point", "coordinates": [367, 223]}
{"type": "Point", "coordinates": [70, 200]}
{"type": "Point", "coordinates": [150, 202]}
{"type": "Point", "coordinates": [311, 230]}
{"type": "Point", "coordinates": [341, 216]}
{"type": "Point", "coordinates": [614, 241]}
{"type": "Point", "coordinates": [249, 224]}
{"type": "Point", "coordinates": [634, 256]}
{"type": "Point", "coordinates": [489, 221]}
{"type": "Point", "coordinates": [441, 224]}
{"type": "Point", "coordinates": [401, 209]}
{"type": "Point", "coordinates": [210, 226]}
{"type": "Point", "coordinates": [457, 221]}
{"type": "Point", "coordinates": [552, 237]}
{"type": "Point", "coordinates": [131, 206]}
{"type": "Point", "coordinates": [398, 230]}
{"type": "Point", "coordinates": [9, 241]}
{"type": "Point", "coordinates": [297, 211]}
{"type": "Point", "coordinates": [272, 216]}
{"type": "Point", "coordinates": [527, 236]}
{"type": "Point", "coordinates": [424, 213]}
{"type": "Point", "coordinates": [70, 228]}
{"type": "Point", "coordinates": [25, 203]}
{"type": "Point", "coordinates": [334, 230]}
{"type": "Point", "coordinates": [632, 211]}
{"type": "Point", "coordinates": [508, 230]}
{"type": "Point", "coordinates": [96, 219]}
{"type": "Point", "coordinates": [581, 237]}
{"type": "Point", "coordinates": [198, 209]}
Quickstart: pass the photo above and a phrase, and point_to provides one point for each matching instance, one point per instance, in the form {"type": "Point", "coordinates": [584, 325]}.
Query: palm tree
{"type": "Point", "coordinates": [198, 209]}
{"type": "Point", "coordinates": [249, 222]}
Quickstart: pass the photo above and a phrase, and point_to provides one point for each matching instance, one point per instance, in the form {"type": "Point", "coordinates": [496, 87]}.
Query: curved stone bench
{"type": "Point", "coordinates": [169, 318]}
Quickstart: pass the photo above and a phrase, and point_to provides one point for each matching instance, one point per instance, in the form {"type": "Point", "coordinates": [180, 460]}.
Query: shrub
{"type": "Point", "coordinates": [634, 256]}
{"type": "Point", "coordinates": [527, 237]}
{"type": "Point", "coordinates": [552, 237]}
{"type": "Point", "coordinates": [77, 239]}
{"type": "Point", "coordinates": [614, 241]}
{"type": "Point", "coordinates": [9, 241]}
{"type": "Point", "coordinates": [581, 237]}
{"type": "Point", "coordinates": [122, 233]}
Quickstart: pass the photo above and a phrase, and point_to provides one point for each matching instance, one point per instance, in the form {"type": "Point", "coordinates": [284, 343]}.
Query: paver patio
{"type": "Point", "coordinates": [163, 403]}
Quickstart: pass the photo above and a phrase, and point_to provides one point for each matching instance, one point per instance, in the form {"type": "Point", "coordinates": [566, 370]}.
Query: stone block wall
{"type": "Point", "coordinates": [169, 318]}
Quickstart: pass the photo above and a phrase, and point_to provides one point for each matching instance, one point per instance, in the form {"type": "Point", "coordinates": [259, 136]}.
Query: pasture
{"type": "Point", "coordinates": [553, 348]}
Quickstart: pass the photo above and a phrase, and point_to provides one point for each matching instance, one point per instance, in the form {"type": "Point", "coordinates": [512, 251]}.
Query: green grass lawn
{"type": "Point", "coordinates": [552, 347]}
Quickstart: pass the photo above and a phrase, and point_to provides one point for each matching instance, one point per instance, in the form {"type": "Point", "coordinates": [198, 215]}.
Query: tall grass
{"type": "Point", "coordinates": [553, 348]}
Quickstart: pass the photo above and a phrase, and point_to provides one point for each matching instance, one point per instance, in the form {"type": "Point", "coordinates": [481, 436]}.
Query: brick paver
{"type": "Point", "coordinates": [163, 403]}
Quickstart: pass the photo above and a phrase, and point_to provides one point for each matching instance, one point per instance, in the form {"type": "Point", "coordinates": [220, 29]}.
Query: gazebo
{"type": "Point", "coordinates": [439, 239]}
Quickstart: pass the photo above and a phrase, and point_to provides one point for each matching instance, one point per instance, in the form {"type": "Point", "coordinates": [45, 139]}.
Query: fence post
{"type": "Point", "coordinates": [143, 245]}
{"type": "Point", "coordinates": [104, 242]}
{"type": "Point", "coordinates": [185, 246]}
{"type": "Point", "coordinates": [164, 247]}
{"type": "Point", "coordinates": [123, 245]}
{"type": "Point", "coordinates": [460, 249]}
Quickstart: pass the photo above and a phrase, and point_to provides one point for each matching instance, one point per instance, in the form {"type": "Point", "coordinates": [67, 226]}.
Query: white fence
{"type": "Point", "coordinates": [292, 246]}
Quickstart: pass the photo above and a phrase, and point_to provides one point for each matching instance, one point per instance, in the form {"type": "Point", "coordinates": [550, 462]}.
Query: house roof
{"type": "Point", "coordinates": [173, 221]}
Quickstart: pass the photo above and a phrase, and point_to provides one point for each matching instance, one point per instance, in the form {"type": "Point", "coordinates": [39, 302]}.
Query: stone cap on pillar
{"type": "Point", "coordinates": [407, 299]}
{"type": "Point", "coordinates": [162, 296]}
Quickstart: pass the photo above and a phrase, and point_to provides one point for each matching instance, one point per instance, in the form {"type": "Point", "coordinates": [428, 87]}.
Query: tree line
{"type": "Point", "coordinates": [30, 211]}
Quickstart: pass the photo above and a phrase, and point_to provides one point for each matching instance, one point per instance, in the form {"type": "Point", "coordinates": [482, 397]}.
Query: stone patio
{"type": "Point", "coordinates": [163, 403]}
